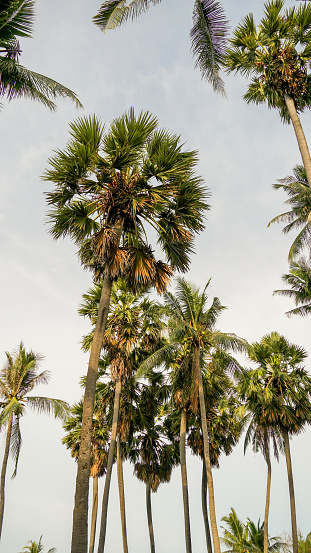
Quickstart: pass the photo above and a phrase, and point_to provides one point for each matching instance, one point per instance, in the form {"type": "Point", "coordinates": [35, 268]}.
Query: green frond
{"type": "Point", "coordinates": [114, 13]}
{"type": "Point", "coordinates": [56, 407]}
{"type": "Point", "coordinates": [208, 36]}
{"type": "Point", "coordinates": [16, 19]}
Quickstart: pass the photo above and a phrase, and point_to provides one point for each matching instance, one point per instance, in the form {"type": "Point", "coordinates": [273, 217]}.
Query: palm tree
{"type": "Point", "coordinates": [193, 325]}
{"type": "Point", "coordinates": [37, 547]}
{"type": "Point", "coordinates": [275, 55]}
{"type": "Point", "coordinates": [299, 278]}
{"type": "Point", "coordinates": [17, 379]}
{"type": "Point", "coordinates": [299, 198]}
{"type": "Point", "coordinates": [16, 20]}
{"type": "Point", "coordinates": [260, 431]}
{"type": "Point", "coordinates": [208, 34]}
{"type": "Point", "coordinates": [107, 186]}
{"type": "Point", "coordinates": [224, 424]}
{"type": "Point", "coordinates": [285, 399]}
{"type": "Point", "coordinates": [99, 451]}
{"type": "Point", "coordinates": [246, 538]}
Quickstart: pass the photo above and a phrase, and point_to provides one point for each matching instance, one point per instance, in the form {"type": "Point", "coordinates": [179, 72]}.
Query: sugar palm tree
{"type": "Point", "coordinates": [260, 432]}
{"type": "Point", "coordinates": [17, 379]}
{"type": "Point", "coordinates": [107, 186]}
{"type": "Point", "coordinates": [299, 199]}
{"type": "Point", "coordinates": [299, 278]}
{"type": "Point", "coordinates": [208, 34]}
{"type": "Point", "coordinates": [195, 325]}
{"type": "Point", "coordinates": [99, 452]}
{"type": "Point", "coordinates": [16, 20]}
{"type": "Point", "coordinates": [133, 328]}
{"type": "Point", "coordinates": [285, 404]}
{"type": "Point", "coordinates": [37, 547]}
{"type": "Point", "coordinates": [276, 56]}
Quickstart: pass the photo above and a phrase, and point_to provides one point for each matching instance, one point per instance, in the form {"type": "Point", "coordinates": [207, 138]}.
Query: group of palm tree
{"type": "Point", "coordinates": [111, 186]}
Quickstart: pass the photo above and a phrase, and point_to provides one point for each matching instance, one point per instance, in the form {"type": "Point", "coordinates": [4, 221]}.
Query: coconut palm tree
{"type": "Point", "coordinates": [37, 547]}
{"type": "Point", "coordinates": [299, 198]}
{"type": "Point", "coordinates": [107, 186]}
{"type": "Point", "coordinates": [16, 20]}
{"type": "Point", "coordinates": [246, 538]}
{"type": "Point", "coordinates": [99, 452]}
{"type": "Point", "coordinates": [208, 34]}
{"type": "Point", "coordinates": [194, 325]}
{"type": "Point", "coordinates": [276, 56]}
{"type": "Point", "coordinates": [285, 403]}
{"type": "Point", "coordinates": [299, 278]}
{"type": "Point", "coordinates": [17, 379]}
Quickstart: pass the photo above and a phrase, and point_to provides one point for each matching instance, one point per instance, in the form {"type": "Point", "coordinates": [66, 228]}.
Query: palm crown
{"type": "Point", "coordinates": [299, 278]}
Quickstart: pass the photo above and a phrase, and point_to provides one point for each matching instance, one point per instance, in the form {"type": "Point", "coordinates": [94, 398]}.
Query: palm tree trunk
{"type": "Point", "coordinates": [301, 139]}
{"type": "Point", "coordinates": [121, 496]}
{"type": "Point", "coordinates": [149, 518]}
{"type": "Point", "coordinates": [211, 498]}
{"type": "Point", "coordinates": [204, 509]}
{"type": "Point", "coordinates": [94, 514]}
{"type": "Point", "coordinates": [3, 470]}
{"type": "Point", "coordinates": [103, 524]}
{"type": "Point", "coordinates": [265, 531]}
{"type": "Point", "coordinates": [291, 491]}
{"type": "Point", "coordinates": [80, 511]}
{"type": "Point", "coordinates": [183, 466]}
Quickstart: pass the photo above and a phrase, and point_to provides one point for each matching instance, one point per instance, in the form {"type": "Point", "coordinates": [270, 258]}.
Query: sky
{"type": "Point", "coordinates": [243, 149]}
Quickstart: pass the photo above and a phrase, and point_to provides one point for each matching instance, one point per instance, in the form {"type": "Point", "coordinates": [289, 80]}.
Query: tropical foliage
{"type": "Point", "coordinates": [37, 547]}
{"type": "Point", "coordinates": [16, 20]}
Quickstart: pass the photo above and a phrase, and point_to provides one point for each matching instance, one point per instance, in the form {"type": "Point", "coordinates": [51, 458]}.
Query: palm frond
{"type": "Point", "coordinates": [114, 13]}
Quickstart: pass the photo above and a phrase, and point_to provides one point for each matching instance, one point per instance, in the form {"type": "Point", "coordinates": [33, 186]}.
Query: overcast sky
{"type": "Point", "coordinates": [243, 150]}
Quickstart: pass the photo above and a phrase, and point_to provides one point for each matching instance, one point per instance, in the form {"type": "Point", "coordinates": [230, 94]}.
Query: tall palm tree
{"type": "Point", "coordinates": [208, 34]}
{"type": "Point", "coordinates": [17, 379]}
{"type": "Point", "coordinates": [133, 329]}
{"type": "Point", "coordinates": [37, 547]}
{"type": "Point", "coordinates": [260, 431]}
{"type": "Point", "coordinates": [275, 55]}
{"type": "Point", "coordinates": [285, 400]}
{"type": "Point", "coordinates": [99, 452]}
{"type": "Point", "coordinates": [299, 278]}
{"type": "Point", "coordinates": [299, 198]}
{"type": "Point", "coordinates": [193, 324]}
{"type": "Point", "coordinates": [16, 20]}
{"type": "Point", "coordinates": [107, 186]}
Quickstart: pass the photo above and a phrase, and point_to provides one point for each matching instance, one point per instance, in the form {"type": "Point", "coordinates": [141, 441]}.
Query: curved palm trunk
{"type": "Point", "coordinates": [3, 470]}
{"type": "Point", "coordinates": [149, 517]}
{"type": "Point", "coordinates": [291, 491]}
{"type": "Point", "coordinates": [183, 466]}
{"type": "Point", "coordinates": [121, 496]}
{"type": "Point", "coordinates": [94, 514]}
{"type": "Point", "coordinates": [80, 511]}
{"type": "Point", "coordinates": [204, 509]}
{"type": "Point", "coordinates": [207, 460]}
{"type": "Point", "coordinates": [103, 524]}
{"type": "Point", "coordinates": [301, 139]}
{"type": "Point", "coordinates": [266, 532]}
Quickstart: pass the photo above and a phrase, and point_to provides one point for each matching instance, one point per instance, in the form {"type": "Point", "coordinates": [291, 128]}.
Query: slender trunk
{"type": "Point", "coordinates": [94, 514]}
{"type": "Point", "coordinates": [291, 491]}
{"type": "Point", "coordinates": [183, 466]}
{"type": "Point", "coordinates": [265, 531]}
{"type": "Point", "coordinates": [80, 511]}
{"type": "Point", "coordinates": [211, 498]}
{"type": "Point", "coordinates": [121, 496]}
{"type": "Point", "coordinates": [3, 470]}
{"type": "Point", "coordinates": [149, 517]}
{"type": "Point", "coordinates": [103, 524]}
{"type": "Point", "coordinates": [301, 139]}
{"type": "Point", "coordinates": [204, 509]}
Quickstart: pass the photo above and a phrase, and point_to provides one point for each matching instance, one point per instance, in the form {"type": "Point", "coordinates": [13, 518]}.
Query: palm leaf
{"type": "Point", "coordinates": [114, 13]}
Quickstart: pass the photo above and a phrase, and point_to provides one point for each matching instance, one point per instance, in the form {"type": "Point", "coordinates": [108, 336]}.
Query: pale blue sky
{"type": "Point", "coordinates": [243, 150]}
